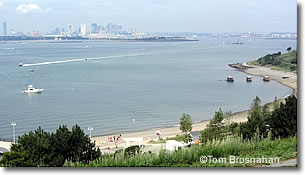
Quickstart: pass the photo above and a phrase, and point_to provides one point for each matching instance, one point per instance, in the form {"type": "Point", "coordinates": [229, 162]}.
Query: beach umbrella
{"type": "Point", "coordinates": [158, 133]}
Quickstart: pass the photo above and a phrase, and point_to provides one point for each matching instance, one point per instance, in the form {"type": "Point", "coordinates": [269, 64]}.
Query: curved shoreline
{"type": "Point", "coordinates": [291, 82]}
{"type": "Point", "coordinates": [241, 116]}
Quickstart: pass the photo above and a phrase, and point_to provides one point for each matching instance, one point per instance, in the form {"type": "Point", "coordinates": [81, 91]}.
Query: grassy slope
{"type": "Point", "coordinates": [284, 59]}
{"type": "Point", "coordinates": [190, 157]}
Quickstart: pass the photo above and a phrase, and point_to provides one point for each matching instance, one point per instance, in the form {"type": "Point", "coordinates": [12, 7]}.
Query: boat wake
{"type": "Point", "coordinates": [52, 62]}
{"type": "Point", "coordinates": [96, 58]}
{"type": "Point", "coordinates": [101, 58]}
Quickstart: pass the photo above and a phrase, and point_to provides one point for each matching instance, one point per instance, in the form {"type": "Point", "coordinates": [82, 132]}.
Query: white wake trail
{"type": "Point", "coordinates": [52, 62]}
{"type": "Point", "coordinates": [99, 58]}
{"type": "Point", "coordinates": [85, 59]}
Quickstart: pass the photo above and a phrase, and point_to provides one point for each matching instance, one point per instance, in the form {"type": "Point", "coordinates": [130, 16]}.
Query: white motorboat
{"type": "Point", "coordinates": [31, 89]}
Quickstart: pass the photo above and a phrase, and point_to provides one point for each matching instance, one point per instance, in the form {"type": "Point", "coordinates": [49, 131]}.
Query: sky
{"type": "Point", "coordinates": [211, 16]}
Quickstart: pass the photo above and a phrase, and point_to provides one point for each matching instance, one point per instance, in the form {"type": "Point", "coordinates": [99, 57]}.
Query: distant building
{"type": "Point", "coordinates": [101, 29]}
{"type": "Point", "coordinates": [71, 29]}
{"type": "Point", "coordinates": [109, 28]}
{"type": "Point", "coordinates": [117, 28]}
{"type": "Point", "coordinates": [4, 29]}
{"type": "Point", "coordinates": [94, 29]}
{"type": "Point", "coordinates": [83, 29]}
{"type": "Point", "coordinates": [57, 31]}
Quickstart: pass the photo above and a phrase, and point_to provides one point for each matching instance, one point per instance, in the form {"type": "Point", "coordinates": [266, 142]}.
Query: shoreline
{"type": "Point", "coordinates": [240, 116]}
{"type": "Point", "coordinates": [262, 71]}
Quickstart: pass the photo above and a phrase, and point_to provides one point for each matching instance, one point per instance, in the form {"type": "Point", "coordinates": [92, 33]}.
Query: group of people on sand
{"type": "Point", "coordinates": [115, 139]}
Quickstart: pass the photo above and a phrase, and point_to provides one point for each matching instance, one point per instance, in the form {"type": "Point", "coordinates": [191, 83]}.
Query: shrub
{"type": "Point", "coordinates": [132, 150]}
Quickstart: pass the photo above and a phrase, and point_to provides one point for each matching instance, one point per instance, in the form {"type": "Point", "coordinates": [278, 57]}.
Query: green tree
{"type": "Point", "coordinates": [256, 120]}
{"type": "Point", "coordinates": [82, 149]}
{"type": "Point", "coordinates": [228, 117]}
{"type": "Point", "coordinates": [37, 145]}
{"type": "Point", "coordinates": [283, 121]}
{"type": "Point", "coordinates": [40, 148]}
{"type": "Point", "coordinates": [217, 121]}
{"type": "Point", "coordinates": [216, 128]}
{"type": "Point", "coordinates": [61, 143]}
{"type": "Point", "coordinates": [16, 159]}
{"type": "Point", "coordinates": [186, 123]}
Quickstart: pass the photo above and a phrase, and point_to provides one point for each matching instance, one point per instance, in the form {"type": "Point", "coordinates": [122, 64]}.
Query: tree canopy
{"type": "Point", "coordinates": [186, 123]}
{"type": "Point", "coordinates": [283, 121]}
{"type": "Point", "coordinates": [40, 148]}
{"type": "Point", "coordinates": [216, 129]}
{"type": "Point", "coordinates": [256, 120]}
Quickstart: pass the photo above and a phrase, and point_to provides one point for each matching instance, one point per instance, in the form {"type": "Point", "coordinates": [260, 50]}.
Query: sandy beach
{"type": "Point", "coordinates": [148, 135]}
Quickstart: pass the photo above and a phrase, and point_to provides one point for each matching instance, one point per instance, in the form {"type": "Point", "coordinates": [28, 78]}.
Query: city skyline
{"type": "Point", "coordinates": [82, 30]}
{"type": "Point", "coordinates": [153, 15]}
{"type": "Point", "coordinates": [115, 31]}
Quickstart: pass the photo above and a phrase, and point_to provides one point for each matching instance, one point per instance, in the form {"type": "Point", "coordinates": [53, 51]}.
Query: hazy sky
{"type": "Point", "coordinates": [153, 15]}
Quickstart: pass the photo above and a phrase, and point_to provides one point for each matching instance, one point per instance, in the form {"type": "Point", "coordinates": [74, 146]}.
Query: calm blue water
{"type": "Point", "coordinates": [153, 83]}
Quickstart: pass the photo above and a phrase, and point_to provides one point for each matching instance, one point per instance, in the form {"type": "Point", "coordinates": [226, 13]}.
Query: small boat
{"type": "Point", "coordinates": [20, 64]}
{"type": "Point", "coordinates": [230, 79]}
{"type": "Point", "coordinates": [31, 89]}
{"type": "Point", "coordinates": [249, 79]}
{"type": "Point", "coordinates": [266, 78]}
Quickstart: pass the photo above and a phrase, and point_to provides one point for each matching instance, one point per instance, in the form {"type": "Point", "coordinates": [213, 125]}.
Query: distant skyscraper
{"type": "Point", "coordinates": [57, 31]}
{"type": "Point", "coordinates": [83, 31]}
{"type": "Point", "coordinates": [109, 28]}
{"type": "Point", "coordinates": [116, 28]}
{"type": "Point", "coordinates": [4, 29]}
{"type": "Point", "coordinates": [101, 29]}
{"type": "Point", "coordinates": [94, 29]}
{"type": "Point", "coordinates": [71, 29]}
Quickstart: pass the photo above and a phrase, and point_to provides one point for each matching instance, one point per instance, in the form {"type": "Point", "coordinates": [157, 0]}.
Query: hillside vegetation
{"type": "Point", "coordinates": [284, 148]}
{"type": "Point", "coordinates": [285, 62]}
